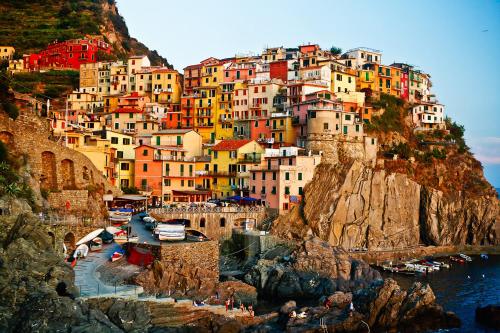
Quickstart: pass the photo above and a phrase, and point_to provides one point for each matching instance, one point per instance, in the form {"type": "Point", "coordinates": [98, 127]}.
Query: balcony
{"type": "Point", "coordinates": [222, 173]}
{"type": "Point", "coordinates": [250, 158]}
{"type": "Point", "coordinates": [158, 157]}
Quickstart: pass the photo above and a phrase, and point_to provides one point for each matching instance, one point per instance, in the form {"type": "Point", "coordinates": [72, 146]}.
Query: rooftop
{"type": "Point", "coordinates": [230, 144]}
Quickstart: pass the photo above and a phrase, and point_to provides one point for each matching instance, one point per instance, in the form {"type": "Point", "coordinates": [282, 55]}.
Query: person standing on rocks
{"type": "Point", "coordinates": [351, 309]}
{"type": "Point", "coordinates": [232, 302]}
{"type": "Point", "coordinates": [227, 304]}
{"type": "Point", "coordinates": [242, 308]}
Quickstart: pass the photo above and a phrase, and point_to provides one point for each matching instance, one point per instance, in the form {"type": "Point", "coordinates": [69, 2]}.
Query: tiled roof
{"type": "Point", "coordinates": [127, 110]}
{"type": "Point", "coordinates": [230, 144]}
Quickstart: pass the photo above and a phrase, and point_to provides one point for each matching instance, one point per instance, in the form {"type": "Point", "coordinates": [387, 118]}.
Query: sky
{"type": "Point", "coordinates": [456, 41]}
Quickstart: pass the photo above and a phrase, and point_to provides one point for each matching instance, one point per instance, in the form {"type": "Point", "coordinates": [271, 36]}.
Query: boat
{"type": "Point", "coordinates": [90, 236]}
{"type": "Point", "coordinates": [465, 257]}
{"type": "Point", "coordinates": [418, 268]}
{"type": "Point", "coordinates": [120, 237]}
{"type": "Point", "coordinates": [117, 255]}
{"type": "Point", "coordinates": [133, 239]}
{"type": "Point", "coordinates": [440, 264]}
{"type": "Point", "coordinates": [120, 217]}
{"type": "Point", "coordinates": [484, 256]}
{"type": "Point", "coordinates": [96, 244]}
{"type": "Point", "coordinates": [81, 251]}
{"type": "Point", "coordinates": [457, 259]}
{"type": "Point", "coordinates": [170, 232]}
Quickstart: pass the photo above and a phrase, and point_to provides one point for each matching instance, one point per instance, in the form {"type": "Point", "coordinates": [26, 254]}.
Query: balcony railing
{"type": "Point", "coordinates": [222, 173]}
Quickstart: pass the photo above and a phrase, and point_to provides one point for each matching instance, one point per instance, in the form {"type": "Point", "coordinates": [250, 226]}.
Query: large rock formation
{"type": "Point", "coordinates": [354, 205]}
{"type": "Point", "coordinates": [313, 269]}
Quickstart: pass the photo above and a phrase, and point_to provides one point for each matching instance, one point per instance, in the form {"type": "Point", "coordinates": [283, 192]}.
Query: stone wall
{"type": "Point", "coordinates": [78, 199]}
{"type": "Point", "coordinates": [216, 222]}
{"type": "Point", "coordinates": [183, 269]}
{"type": "Point", "coordinates": [53, 167]}
{"type": "Point", "coordinates": [337, 148]}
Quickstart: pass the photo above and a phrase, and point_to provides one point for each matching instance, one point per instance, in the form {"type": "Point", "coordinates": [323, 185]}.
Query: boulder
{"type": "Point", "coordinates": [489, 316]}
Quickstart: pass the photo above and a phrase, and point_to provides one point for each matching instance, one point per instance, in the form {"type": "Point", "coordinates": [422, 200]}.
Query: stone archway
{"type": "Point", "coordinates": [7, 137]}
{"type": "Point", "coordinates": [68, 174]}
{"type": "Point", "coordinates": [70, 241]}
{"type": "Point", "coordinates": [48, 178]}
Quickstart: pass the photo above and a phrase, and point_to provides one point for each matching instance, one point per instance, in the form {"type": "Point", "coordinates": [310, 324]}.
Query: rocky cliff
{"type": "Point", "coordinates": [355, 205]}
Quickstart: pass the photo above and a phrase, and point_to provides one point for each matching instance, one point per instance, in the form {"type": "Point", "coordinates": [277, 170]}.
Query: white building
{"type": "Point", "coordinates": [357, 57]}
{"type": "Point", "coordinates": [428, 116]}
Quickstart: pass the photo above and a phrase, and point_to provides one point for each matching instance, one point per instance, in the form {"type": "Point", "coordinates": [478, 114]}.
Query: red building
{"type": "Point", "coordinates": [68, 54]}
{"type": "Point", "coordinates": [279, 70]}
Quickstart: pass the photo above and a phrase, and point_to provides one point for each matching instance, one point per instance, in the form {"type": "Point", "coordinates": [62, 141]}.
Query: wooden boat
{"type": "Point", "coordinates": [457, 259]}
{"type": "Point", "coordinates": [465, 257]}
{"type": "Point", "coordinates": [96, 244]}
{"type": "Point", "coordinates": [116, 256]}
{"type": "Point", "coordinates": [120, 237]}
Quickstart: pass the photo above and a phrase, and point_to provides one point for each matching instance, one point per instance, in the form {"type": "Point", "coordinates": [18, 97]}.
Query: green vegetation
{"type": "Point", "coordinates": [6, 103]}
{"type": "Point", "coordinates": [402, 149]}
{"type": "Point", "coordinates": [457, 132]}
{"type": "Point", "coordinates": [335, 50]}
{"type": "Point", "coordinates": [392, 119]}
{"type": "Point", "coordinates": [53, 84]}
{"type": "Point", "coordinates": [130, 190]}
{"type": "Point", "coordinates": [30, 25]}
{"type": "Point", "coordinates": [10, 183]}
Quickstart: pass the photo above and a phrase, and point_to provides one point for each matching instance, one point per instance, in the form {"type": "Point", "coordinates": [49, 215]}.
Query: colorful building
{"type": "Point", "coordinates": [230, 163]}
{"type": "Point", "coordinates": [7, 52]}
{"type": "Point", "coordinates": [280, 179]}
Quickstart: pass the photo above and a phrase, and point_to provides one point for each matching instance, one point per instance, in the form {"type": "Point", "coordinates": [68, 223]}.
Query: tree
{"type": "Point", "coordinates": [335, 50]}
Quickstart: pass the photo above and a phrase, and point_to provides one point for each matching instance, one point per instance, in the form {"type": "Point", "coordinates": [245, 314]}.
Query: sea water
{"type": "Point", "coordinates": [462, 288]}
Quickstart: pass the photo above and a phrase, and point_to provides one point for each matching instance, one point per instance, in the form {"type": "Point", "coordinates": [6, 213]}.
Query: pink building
{"type": "Point", "coordinates": [281, 177]}
{"type": "Point", "coordinates": [240, 71]}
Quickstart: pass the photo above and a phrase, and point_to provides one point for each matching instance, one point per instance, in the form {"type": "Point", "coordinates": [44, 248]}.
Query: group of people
{"type": "Point", "coordinates": [229, 303]}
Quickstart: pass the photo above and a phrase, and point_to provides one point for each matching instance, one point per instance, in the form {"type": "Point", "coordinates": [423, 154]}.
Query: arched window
{"type": "Point", "coordinates": [222, 222]}
{"type": "Point", "coordinates": [202, 222]}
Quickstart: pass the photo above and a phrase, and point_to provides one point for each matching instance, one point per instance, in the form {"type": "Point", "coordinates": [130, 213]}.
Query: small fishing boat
{"type": "Point", "coordinates": [440, 264]}
{"type": "Point", "coordinates": [484, 256]}
{"type": "Point", "coordinates": [465, 257]}
{"type": "Point", "coordinates": [120, 237]}
{"type": "Point", "coordinates": [96, 244]}
{"type": "Point", "coordinates": [457, 259]}
{"type": "Point", "coordinates": [116, 256]}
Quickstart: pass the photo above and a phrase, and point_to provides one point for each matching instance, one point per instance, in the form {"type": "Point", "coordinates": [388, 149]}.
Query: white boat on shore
{"type": "Point", "coordinates": [465, 257]}
{"type": "Point", "coordinates": [170, 232]}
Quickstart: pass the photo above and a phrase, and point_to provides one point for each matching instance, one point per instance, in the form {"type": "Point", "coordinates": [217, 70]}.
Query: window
{"type": "Point", "coordinates": [167, 182]}
{"type": "Point", "coordinates": [124, 166]}
{"type": "Point", "coordinates": [179, 140]}
{"type": "Point", "coordinates": [145, 167]}
{"type": "Point", "coordinates": [301, 191]}
{"type": "Point", "coordinates": [347, 117]}
{"type": "Point", "coordinates": [117, 126]}
{"type": "Point", "coordinates": [131, 115]}
{"type": "Point", "coordinates": [325, 126]}
{"type": "Point", "coordinates": [287, 176]}
{"type": "Point", "coordinates": [145, 126]}
{"type": "Point", "coordinates": [253, 175]}
{"type": "Point", "coordinates": [182, 182]}
{"type": "Point", "coordinates": [158, 140]}
{"type": "Point", "coordinates": [144, 183]}
{"type": "Point", "coordinates": [114, 140]}
{"type": "Point", "coordinates": [202, 222]}
{"type": "Point", "coordinates": [263, 191]}
{"type": "Point", "coordinates": [216, 154]}
{"type": "Point", "coordinates": [117, 115]}
{"type": "Point", "coordinates": [273, 191]}
{"type": "Point", "coordinates": [300, 176]}
{"type": "Point", "coordinates": [263, 176]}
{"type": "Point", "coordinates": [274, 175]}
{"type": "Point", "coordinates": [145, 152]}
{"type": "Point", "coordinates": [222, 222]}
{"type": "Point", "coordinates": [119, 154]}
{"type": "Point", "coordinates": [253, 189]}
{"type": "Point", "coordinates": [357, 128]}
{"type": "Point", "coordinates": [126, 141]}
{"type": "Point", "coordinates": [287, 190]}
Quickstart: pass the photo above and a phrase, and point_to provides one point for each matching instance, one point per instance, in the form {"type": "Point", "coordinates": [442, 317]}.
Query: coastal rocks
{"type": "Point", "coordinates": [385, 306]}
{"type": "Point", "coordinates": [241, 291]}
{"type": "Point", "coordinates": [353, 205]}
{"type": "Point", "coordinates": [314, 269]}
{"type": "Point", "coordinates": [489, 316]}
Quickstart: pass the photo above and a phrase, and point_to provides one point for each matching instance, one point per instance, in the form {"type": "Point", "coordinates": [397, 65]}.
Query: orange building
{"type": "Point", "coordinates": [148, 173]}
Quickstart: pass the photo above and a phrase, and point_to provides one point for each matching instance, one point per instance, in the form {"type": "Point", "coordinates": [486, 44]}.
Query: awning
{"type": "Point", "coordinates": [131, 197]}
{"type": "Point", "coordinates": [174, 192]}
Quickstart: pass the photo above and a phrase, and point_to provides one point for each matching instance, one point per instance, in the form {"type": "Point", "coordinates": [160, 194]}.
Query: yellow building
{"type": "Point", "coordinates": [230, 164]}
{"type": "Point", "coordinates": [205, 111]}
{"type": "Point", "coordinates": [7, 52]}
{"type": "Point", "coordinates": [167, 88]}
{"type": "Point", "coordinates": [343, 78]}
{"type": "Point", "coordinates": [366, 80]}
{"type": "Point", "coordinates": [224, 111]}
{"type": "Point", "coordinates": [282, 130]}
{"type": "Point", "coordinates": [124, 146]}
{"type": "Point", "coordinates": [84, 101]}
{"type": "Point", "coordinates": [125, 119]}
{"type": "Point", "coordinates": [110, 103]}
{"type": "Point", "coordinates": [16, 66]}
{"type": "Point", "coordinates": [389, 80]}
{"type": "Point", "coordinates": [98, 150]}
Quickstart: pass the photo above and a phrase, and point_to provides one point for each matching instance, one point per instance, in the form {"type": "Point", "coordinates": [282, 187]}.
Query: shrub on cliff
{"type": "Point", "coordinates": [391, 119]}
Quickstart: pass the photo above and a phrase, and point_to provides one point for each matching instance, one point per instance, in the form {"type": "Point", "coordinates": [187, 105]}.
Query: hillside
{"type": "Point", "coordinates": [29, 25]}
{"type": "Point", "coordinates": [433, 193]}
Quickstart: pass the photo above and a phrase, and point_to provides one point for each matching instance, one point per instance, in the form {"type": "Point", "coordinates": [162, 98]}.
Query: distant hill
{"type": "Point", "coordinates": [29, 25]}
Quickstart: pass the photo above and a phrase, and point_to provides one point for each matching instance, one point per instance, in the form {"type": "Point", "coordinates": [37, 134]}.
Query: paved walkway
{"type": "Point", "coordinates": [145, 236]}
{"type": "Point", "coordinates": [87, 279]}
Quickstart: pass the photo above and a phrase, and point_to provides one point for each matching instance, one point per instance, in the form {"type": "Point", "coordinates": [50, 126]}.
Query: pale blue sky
{"type": "Point", "coordinates": [457, 42]}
